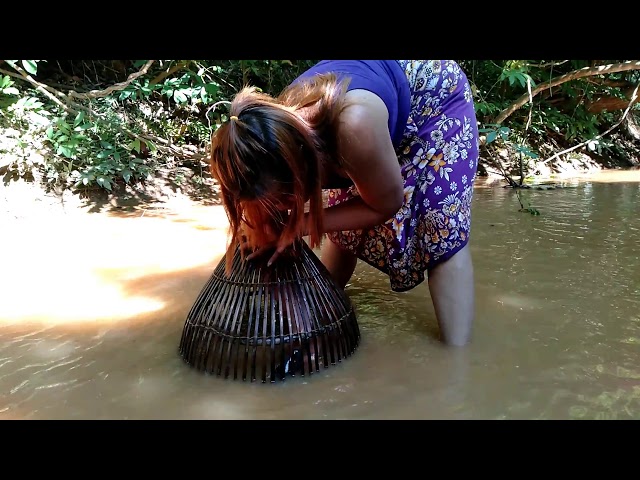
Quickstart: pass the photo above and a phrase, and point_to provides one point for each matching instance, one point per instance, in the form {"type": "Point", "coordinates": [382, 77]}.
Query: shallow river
{"type": "Point", "coordinates": [92, 307]}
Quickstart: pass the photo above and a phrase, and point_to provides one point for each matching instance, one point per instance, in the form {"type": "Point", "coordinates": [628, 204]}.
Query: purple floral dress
{"type": "Point", "coordinates": [438, 154]}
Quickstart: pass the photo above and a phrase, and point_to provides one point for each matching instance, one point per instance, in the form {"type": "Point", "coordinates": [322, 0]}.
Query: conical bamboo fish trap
{"type": "Point", "coordinates": [269, 322]}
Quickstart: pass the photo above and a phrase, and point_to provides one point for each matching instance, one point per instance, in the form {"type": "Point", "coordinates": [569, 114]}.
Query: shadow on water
{"type": "Point", "coordinates": [131, 200]}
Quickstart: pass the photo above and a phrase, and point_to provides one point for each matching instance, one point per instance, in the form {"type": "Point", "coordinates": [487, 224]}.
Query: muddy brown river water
{"type": "Point", "coordinates": [92, 307]}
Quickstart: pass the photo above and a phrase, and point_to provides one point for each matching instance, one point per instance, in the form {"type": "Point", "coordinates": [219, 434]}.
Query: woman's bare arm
{"type": "Point", "coordinates": [372, 165]}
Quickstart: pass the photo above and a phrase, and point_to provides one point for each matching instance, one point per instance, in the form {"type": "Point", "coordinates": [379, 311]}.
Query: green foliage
{"type": "Point", "coordinates": [6, 86]}
{"type": "Point", "coordinates": [516, 71]}
{"type": "Point", "coordinates": [494, 131]}
{"type": "Point", "coordinates": [174, 99]}
{"type": "Point", "coordinates": [557, 113]}
{"type": "Point", "coordinates": [30, 66]}
{"type": "Point", "coordinates": [88, 157]}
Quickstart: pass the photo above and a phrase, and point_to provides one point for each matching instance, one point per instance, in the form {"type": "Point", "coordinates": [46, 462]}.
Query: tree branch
{"type": "Point", "coordinates": [542, 65]}
{"type": "Point", "coordinates": [166, 73]}
{"type": "Point", "coordinates": [41, 87]}
{"type": "Point", "coordinates": [113, 88]}
{"type": "Point", "coordinates": [583, 72]}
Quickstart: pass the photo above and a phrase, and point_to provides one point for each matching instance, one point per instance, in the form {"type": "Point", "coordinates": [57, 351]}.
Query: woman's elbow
{"type": "Point", "coordinates": [394, 203]}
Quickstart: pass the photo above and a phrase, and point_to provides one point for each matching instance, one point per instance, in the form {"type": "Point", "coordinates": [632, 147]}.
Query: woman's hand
{"type": "Point", "coordinates": [261, 250]}
{"type": "Point", "coordinates": [274, 241]}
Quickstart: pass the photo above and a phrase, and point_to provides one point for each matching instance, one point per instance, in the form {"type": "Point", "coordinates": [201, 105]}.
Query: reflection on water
{"type": "Point", "coordinates": [93, 306]}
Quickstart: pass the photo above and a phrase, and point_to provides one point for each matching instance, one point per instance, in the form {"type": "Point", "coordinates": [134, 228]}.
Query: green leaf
{"type": "Point", "coordinates": [126, 174]}
{"type": "Point", "coordinates": [78, 119]}
{"type": "Point", "coordinates": [30, 66]}
{"type": "Point", "coordinates": [11, 91]}
{"type": "Point", "coordinates": [135, 145]}
{"type": "Point", "coordinates": [32, 102]}
{"type": "Point", "coordinates": [5, 81]}
{"type": "Point", "coordinates": [50, 132]}
{"type": "Point", "coordinates": [211, 88]}
{"type": "Point", "coordinates": [64, 150]}
{"type": "Point", "coordinates": [179, 96]}
{"type": "Point", "coordinates": [491, 136]}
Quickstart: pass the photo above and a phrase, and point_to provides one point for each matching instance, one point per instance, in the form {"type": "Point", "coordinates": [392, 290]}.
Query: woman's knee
{"type": "Point", "coordinates": [340, 262]}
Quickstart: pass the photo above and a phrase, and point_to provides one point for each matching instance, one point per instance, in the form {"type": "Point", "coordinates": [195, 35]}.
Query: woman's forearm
{"type": "Point", "coordinates": [354, 214]}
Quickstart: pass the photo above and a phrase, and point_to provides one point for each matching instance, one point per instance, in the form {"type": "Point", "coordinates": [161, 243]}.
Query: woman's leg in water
{"type": "Point", "coordinates": [453, 295]}
{"type": "Point", "coordinates": [341, 265]}
{"type": "Point", "coordinates": [338, 261]}
{"type": "Point", "coordinates": [454, 307]}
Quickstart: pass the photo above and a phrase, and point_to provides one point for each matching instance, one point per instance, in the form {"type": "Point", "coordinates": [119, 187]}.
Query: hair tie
{"type": "Point", "coordinates": [233, 117]}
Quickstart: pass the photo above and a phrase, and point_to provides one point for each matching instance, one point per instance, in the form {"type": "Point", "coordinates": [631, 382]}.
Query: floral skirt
{"type": "Point", "coordinates": [438, 156]}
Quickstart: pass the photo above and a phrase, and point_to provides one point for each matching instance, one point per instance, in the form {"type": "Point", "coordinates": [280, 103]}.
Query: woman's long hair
{"type": "Point", "coordinates": [275, 147]}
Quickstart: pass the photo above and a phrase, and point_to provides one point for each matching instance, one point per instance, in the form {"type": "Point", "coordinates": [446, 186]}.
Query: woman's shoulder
{"type": "Point", "coordinates": [364, 138]}
{"type": "Point", "coordinates": [363, 110]}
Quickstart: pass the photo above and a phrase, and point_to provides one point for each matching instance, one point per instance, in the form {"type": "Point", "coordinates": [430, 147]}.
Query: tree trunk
{"type": "Point", "coordinates": [631, 128]}
{"type": "Point", "coordinates": [610, 103]}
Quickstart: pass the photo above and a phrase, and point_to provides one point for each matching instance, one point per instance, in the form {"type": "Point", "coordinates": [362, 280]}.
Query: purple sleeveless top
{"type": "Point", "coordinates": [385, 78]}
